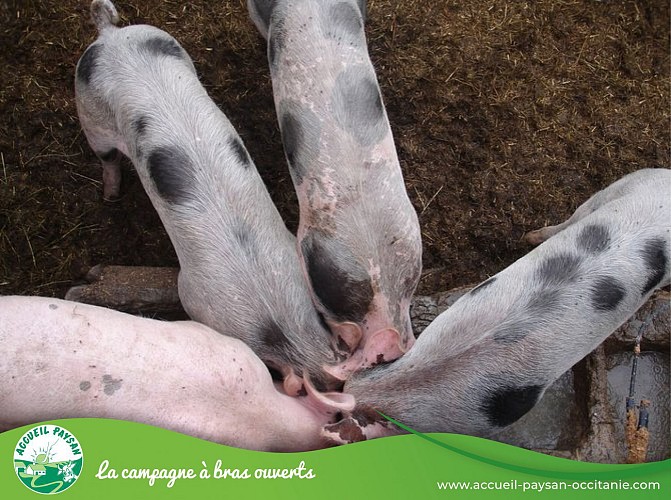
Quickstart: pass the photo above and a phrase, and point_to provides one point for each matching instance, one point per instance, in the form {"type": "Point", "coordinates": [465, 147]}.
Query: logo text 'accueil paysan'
{"type": "Point", "coordinates": [48, 459]}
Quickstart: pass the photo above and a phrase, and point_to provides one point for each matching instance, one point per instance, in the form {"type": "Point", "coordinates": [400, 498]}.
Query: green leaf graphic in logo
{"type": "Point", "coordinates": [48, 459]}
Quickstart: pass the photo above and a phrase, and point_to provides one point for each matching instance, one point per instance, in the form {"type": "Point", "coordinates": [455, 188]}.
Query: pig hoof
{"type": "Point", "coordinates": [111, 197]}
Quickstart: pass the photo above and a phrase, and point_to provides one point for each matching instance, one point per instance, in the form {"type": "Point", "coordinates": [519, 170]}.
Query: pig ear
{"type": "Point", "coordinates": [292, 384]}
{"type": "Point", "coordinates": [327, 402]}
{"type": "Point", "coordinates": [348, 333]}
{"type": "Point", "coordinates": [343, 370]}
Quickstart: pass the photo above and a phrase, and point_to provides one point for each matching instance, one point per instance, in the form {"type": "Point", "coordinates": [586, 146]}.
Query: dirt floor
{"type": "Point", "coordinates": [507, 115]}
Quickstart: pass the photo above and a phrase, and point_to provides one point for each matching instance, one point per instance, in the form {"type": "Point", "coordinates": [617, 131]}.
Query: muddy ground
{"type": "Point", "coordinates": [507, 115]}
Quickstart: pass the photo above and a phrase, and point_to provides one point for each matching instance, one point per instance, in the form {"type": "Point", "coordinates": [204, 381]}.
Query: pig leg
{"type": "Point", "coordinates": [362, 424]}
{"type": "Point", "coordinates": [106, 144]}
{"type": "Point", "coordinates": [259, 11]}
{"type": "Point", "coordinates": [540, 235]}
{"type": "Point", "coordinates": [93, 113]}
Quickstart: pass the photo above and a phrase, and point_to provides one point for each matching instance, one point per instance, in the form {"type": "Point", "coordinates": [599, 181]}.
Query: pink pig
{"type": "Point", "coordinates": [64, 359]}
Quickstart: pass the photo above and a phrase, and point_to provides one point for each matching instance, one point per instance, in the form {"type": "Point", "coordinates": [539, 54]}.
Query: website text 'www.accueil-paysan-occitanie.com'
{"type": "Point", "coordinates": [548, 485]}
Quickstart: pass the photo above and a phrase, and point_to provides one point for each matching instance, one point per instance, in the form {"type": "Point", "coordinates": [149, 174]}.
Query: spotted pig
{"type": "Point", "coordinates": [138, 95]}
{"type": "Point", "coordinates": [358, 233]}
{"type": "Point", "coordinates": [488, 359]}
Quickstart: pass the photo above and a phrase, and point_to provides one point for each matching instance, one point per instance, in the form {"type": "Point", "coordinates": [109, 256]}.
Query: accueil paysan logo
{"type": "Point", "coordinates": [48, 459]}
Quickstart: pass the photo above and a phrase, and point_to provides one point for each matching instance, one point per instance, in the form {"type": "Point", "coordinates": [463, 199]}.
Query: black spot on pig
{"type": "Point", "coordinates": [84, 385]}
{"type": "Point", "coordinates": [558, 269]}
{"type": "Point", "coordinates": [357, 105]}
{"type": "Point", "coordinates": [508, 403]}
{"type": "Point", "coordinates": [110, 156]}
{"type": "Point", "coordinates": [343, 20]}
{"type": "Point", "coordinates": [53, 306]}
{"type": "Point", "coordinates": [263, 8]}
{"type": "Point", "coordinates": [300, 135]}
{"type": "Point", "coordinates": [657, 261]}
{"type": "Point", "coordinates": [276, 43]}
{"type": "Point", "coordinates": [139, 125]}
{"type": "Point", "coordinates": [271, 334]}
{"type": "Point", "coordinates": [363, 9]}
{"type": "Point", "coordinates": [348, 430]}
{"type": "Point", "coordinates": [111, 385]}
{"type": "Point", "coordinates": [594, 238]}
{"type": "Point", "coordinates": [275, 373]}
{"type": "Point", "coordinates": [345, 292]}
{"type": "Point", "coordinates": [239, 150]}
{"type": "Point", "coordinates": [607, 293]}
{"type": "Point", "coordinates": [544, 302]}
{"type": "Point", "coordinates": [87, 63]}
{"type": "Point", "coordinates": [246, 240]}
{"type": "Point", "coordinates": [292, 137]}
{"type": "Point", "coordinates": [483, 285]}
{"type": "Point", "coordinates": [168, 167]}
{"type": "Point", "coordinates": [160, 46]}
{"type": "Point", "coordinates": [513, 332]}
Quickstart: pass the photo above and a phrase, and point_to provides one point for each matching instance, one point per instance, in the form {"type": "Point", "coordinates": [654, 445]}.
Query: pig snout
{"type": "Point", "coordinates": [381, 347]}
{"type": "Point", "coordinates": [486, 361]}
{"type": "Point", "coordinates": [358, 234]}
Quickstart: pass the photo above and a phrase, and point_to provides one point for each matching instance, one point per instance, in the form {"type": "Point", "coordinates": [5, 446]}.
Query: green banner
{"type": "Point", "coordinates": [99, 459]}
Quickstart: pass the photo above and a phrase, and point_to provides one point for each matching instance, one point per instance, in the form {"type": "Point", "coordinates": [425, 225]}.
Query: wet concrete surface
{"type": "Point", "coordinates": [652, 384]}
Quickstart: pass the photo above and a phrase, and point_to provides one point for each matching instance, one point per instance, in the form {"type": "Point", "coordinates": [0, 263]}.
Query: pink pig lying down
{"type": "Point", "coordinates": [138, 95]}
{"type": "Point", "coordinates": [63, 359]}
{"type": "Point", "coordinates": [358, 233]}
{"type": "Point", "coordinates": [487, 360]}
